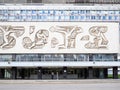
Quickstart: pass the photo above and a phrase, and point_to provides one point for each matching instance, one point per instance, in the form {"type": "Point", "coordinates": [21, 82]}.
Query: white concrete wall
{"type": "Point", "coordinates": [59, 64]}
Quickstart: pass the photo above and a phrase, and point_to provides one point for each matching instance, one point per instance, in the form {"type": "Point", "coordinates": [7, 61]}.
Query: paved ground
{"type": "Point", "coordinates": [60, 84]}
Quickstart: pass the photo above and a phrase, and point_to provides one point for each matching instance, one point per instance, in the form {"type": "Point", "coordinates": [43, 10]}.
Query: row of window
{"type": "Point", "coordinates": [55, 15]}
{"type": "Point", "coordinates": [59, 12]}
{"type": "Point", "coordinates": [59, 18]}
{"type": "Point", "coordinates": [59, 57]}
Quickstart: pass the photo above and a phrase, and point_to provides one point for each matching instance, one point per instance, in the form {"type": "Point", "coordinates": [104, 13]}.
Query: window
{"type": "Point", "coordinates": [5, 57]}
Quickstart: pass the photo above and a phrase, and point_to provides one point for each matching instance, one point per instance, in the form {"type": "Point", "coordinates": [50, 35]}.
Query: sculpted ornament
{"type": "Point", "coordinates": [99, 39]}
{"type": "Point", "coordinates": [8, 35]}
{"type": "Point", "coordinates": [69, 34]}
{"type": "Point", "coordinates": [40, 40]}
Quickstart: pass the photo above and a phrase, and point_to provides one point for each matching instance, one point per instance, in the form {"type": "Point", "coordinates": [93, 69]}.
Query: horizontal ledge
{"type": "Point", "coordinates": [59, 64]}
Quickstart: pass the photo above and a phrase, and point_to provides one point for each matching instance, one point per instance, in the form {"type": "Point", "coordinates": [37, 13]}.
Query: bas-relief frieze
{"type": "Point", "coordinates": [69, 33]}
{"type": "Point", "coordinates": [9, 35]}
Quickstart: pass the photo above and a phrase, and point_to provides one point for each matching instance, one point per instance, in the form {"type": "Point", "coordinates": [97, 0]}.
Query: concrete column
{"type": "Point", "coordinates": [39, 72]}
{"type": "Point", "coordinates": [85, 73]}
{"type": "Point", "coordinates": [90, 72]}
{"type": "Point", "coordinates": [2, 73]}
{"type": "Point", "coordinates": [105, 73]}
{"type": "Point", "coordinates": [23, 73]}
{"type": "Point", "coordinates": [14, 73]}
{"type": "Point", "coordinates": [115, 72]}
{"type": "Point", "coordinates": [65, 72]}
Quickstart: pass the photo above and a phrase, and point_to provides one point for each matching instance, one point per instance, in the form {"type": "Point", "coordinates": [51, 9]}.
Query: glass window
{"type": "Point", "coordinates": [1, 12]}
{"type": "Point", "coordinates": [5, 57]}
{"type": "Point", "coordinates": [104, 17]}
{"type": "Point", "coordinates": [87, 17]}
{"type": "Point", "coordinates": [87, 11]}
{"type": "Point", "coordinates": [23, 11]}
{"type": "Point", "coordinates": [27, 57]}
{"type": "Point", "coordinates": [103, 57]}
{"type": "Point", "coordinates": [56, 18]}
{"type": "Point", "coordinates": [16, 11]}
{"type": "Point", "coordinates": [29, 12]}
{"type": "Point", "coordinates": [40, 12]}
{"type": "Point", "coordinates": [82, 57]}
{"type": "Point", "coordinates": [66, 18]}
{"type": "Point", "coordinates": [81, 17]}
{"type": "Point", "coordinates": [72, 17]}
{"type": "Point", "coordinates": [110, 17]}
{"type": "Point", "coordinates": [69, 57]}
{"type": "Point", "coordinates": [111, 12]}
{"type": "Point", "coordinates": [93, 17]}
{"type": "Point", "coordinates": [34, 12]}
{"type": "Point", "coordinates": [11, 18]}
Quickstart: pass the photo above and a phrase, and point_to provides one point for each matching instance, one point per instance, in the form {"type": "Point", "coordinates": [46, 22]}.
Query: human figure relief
{"type": "Point", "coordinates": [9, 34]}
{"type": "Point", "coordinates": [31, 29]}
{"type": "Point", "coordinates": [54, 42]}
{"type": "Point", "coordinates": [69, 34]}
{"type": "Point", "coordinates": [40, 40]}
{"type": "Point", "coordinates": [99, 40]}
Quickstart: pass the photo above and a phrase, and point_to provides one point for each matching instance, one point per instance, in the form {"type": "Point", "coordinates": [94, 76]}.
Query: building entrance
{"type": "Point", "coordinates": [56, 73]}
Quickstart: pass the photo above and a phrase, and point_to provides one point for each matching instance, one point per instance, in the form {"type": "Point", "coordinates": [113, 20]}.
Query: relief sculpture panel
{"type": "Point", "coordinates": [58, 37]}
{"type": "Point", "coordinates": [39, 41]}
{"type": "Point", "coordinates": [99, 38]}
{"type": "Point", "coordinates": [9, 34]}
{"type": "Point", "coordinates": [69, 34]}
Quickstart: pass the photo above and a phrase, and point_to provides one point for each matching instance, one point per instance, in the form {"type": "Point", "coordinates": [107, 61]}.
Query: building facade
{"type": "Point", "coordinates": [59, 42]}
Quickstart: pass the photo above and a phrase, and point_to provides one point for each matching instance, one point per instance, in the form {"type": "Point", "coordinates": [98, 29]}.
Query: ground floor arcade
{"type": "Point", "coordinates": [57, 73]}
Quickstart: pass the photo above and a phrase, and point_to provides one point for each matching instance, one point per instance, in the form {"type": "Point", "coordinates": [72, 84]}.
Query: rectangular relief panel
{"type": "Point", "coordinates": [59, 37]}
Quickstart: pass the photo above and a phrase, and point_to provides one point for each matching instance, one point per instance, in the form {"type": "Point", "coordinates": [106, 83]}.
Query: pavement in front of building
{"type": "Point", "coordinates": [90, 84]}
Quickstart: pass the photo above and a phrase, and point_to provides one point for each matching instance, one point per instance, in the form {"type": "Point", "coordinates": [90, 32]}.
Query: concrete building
{"type": "Point", "coordinates": [59, 41]}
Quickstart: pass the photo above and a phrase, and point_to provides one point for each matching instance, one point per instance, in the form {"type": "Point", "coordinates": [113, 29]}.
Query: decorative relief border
{"type": "Point", "coordinates": [58, 37]}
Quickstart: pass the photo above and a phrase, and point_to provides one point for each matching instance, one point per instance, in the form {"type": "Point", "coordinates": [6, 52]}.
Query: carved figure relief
{"type": "Point", "coordinates": [1, 37]}
{"type": "Point", "coordinates": [40, 40]}
{"type": "Point", "coordinates": [99, 40]}
{"type": "Point", "coordinates": [54, 42]}
{"type": "Point", "coordinates": [9, 34]}
{"type": "Point", "coordinates": [85, 38]}
{"type": "Point", "coordinates": [69, 34]}
{"type": "Point", "coordinates": [31, 29]}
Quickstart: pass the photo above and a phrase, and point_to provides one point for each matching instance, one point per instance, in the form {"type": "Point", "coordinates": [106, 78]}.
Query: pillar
{"type": "Point", "coordinates": [65, 72]}
{"type": "Point", "coordinates": [115, 72]}
{"type": "Point", "coordinates": [90, 72]}
{"type": "Point", "coordinates": [14, 73]}
{"type": "Point", "coordinates": [23, 73]}
{"type": "Point", "coordinates": [85, 73]}
{"type": "Point", "coordinates": [39, 72]}
{"type": "Point", "coordinates": [2, 73]}
{"type": "Point", "coordinates": [105, 73]}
